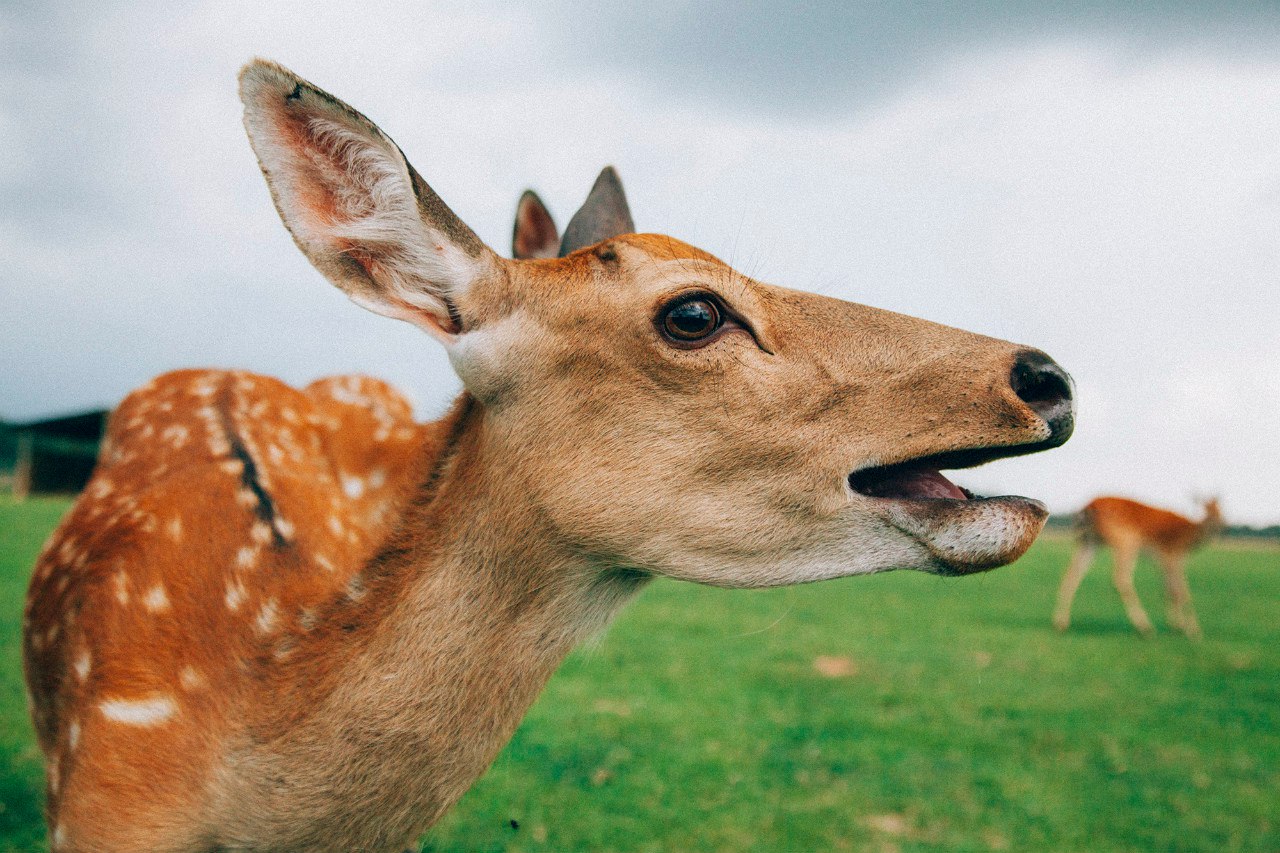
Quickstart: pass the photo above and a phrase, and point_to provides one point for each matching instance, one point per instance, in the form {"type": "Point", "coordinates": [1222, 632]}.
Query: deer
{"type": "Point", "coordinates": [1127, 527]}
{"type": "Point", "coordinates": [224, 653]}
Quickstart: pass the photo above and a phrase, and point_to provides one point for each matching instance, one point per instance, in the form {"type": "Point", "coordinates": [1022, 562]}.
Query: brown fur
{"type": "Point", "coordinates": [1126, 527]}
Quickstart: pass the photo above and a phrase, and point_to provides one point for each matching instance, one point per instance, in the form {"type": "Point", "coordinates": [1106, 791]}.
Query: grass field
{"type": "Point", "coordinates": [948, 716]}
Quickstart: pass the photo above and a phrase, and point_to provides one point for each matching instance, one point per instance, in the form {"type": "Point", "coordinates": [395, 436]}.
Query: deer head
{"type": "Point", "coordinates": [661, 411]}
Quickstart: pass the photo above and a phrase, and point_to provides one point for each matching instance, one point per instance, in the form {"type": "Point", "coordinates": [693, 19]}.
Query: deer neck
{"type": "Point", "coordinates": [460, 622]}
{"type": "Point", "coordinates": [1207, 527]}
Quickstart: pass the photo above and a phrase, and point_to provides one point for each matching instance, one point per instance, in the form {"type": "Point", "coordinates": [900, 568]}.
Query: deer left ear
{"type": "Point", "coordinates": [356, 207]}
{"type": "Point", "coordinates": [535, 234]}
{"type": "Point", "coordinates": [603, 215]}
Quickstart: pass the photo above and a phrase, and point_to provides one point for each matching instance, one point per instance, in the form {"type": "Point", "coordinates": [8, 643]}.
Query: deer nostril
{"type": "Point", "coordinates": [1045, 388]}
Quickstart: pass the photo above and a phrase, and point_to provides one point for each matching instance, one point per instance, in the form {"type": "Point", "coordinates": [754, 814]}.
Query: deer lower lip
{"type": "Point", "coordinates": [907, 482]}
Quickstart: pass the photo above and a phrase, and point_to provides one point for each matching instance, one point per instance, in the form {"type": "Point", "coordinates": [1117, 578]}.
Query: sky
{"type": "Point", "coordinates": [1102, 183]}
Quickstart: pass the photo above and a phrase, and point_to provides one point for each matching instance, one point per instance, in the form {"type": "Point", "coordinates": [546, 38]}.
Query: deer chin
{"type": "Point", "coordinates": [964, 533]}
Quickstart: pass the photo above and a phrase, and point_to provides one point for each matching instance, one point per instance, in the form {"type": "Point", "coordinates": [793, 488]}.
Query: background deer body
{"type": "Point", "coordinates": [226, 653]}
{"type": "Point", "coordinates": [1126, 527]}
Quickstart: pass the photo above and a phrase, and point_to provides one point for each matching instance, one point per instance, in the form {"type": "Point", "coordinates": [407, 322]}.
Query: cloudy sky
{"type": "Point", "coordinates": [1103, 184]}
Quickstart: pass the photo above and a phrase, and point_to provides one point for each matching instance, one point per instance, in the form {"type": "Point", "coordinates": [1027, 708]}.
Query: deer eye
{"type": "Point", "coordinates": [691, 318]}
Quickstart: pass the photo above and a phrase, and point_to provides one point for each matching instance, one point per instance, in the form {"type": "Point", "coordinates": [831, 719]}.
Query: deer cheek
{"type": "Point", "coordinates": [487, 360]}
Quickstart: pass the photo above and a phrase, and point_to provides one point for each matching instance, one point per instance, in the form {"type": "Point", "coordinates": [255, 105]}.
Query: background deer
{"type": "Point", "coordinates": [1127, 527]}
{"type": "Point", "coordinates": [225, 652]}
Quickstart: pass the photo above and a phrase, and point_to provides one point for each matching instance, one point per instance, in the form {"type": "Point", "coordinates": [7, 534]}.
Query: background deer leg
{"type": "Point", "coordinates": [1126, 561]}
{"type": "Point", "coordinates": [1181, 614]}
{"type": "Point", "coordinates": [1076, 569]}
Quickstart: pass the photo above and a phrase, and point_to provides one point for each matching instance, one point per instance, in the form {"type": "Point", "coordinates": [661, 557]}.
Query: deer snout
{"type": "Point", "coordinates": [1047, 390]}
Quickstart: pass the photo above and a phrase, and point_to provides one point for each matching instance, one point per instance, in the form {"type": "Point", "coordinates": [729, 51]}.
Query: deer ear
{"type": "Point", "coordinates": [356, 207]}
{"type": "Point", "coordinates": [603, 215]}
{"type": "Point", "coordinates": [535, 234]}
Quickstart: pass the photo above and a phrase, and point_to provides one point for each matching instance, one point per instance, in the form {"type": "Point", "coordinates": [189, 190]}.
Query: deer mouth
{"type": "Point", "coordinates": [963, 532]}
{"type": "Point", "coordinates": [907, 481]}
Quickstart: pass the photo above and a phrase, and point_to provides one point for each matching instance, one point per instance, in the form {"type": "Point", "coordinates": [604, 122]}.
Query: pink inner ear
{"type": "Point", "coordinates": [326, 186]}
{"type": "Point", "coordinates": [535, 231]}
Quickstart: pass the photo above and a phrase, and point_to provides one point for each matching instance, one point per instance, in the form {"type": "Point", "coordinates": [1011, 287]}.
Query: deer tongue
{"type": "Point", "coordinates": [915, 483]}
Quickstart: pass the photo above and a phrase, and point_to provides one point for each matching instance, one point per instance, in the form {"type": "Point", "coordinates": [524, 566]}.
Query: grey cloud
{"type": "Point", "coordinates": [812, 58]}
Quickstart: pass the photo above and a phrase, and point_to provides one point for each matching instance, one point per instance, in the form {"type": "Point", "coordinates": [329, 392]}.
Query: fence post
{"type": "Point", "coordinates": [23, 466]}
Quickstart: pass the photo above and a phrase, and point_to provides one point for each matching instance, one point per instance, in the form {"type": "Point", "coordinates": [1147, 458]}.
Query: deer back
{"type": "Point", "coordinates": [226, 509]}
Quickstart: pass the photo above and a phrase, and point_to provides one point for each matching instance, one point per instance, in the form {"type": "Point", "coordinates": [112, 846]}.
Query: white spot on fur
{"type": "Point", "coordinates": [139, 712]}
{"type": "Point", "coordinates": [234, 467]}
{"type": "Point", "coordinates": [204, 386]}
{"type": "Point", "coordinates": [82, 664]}
{"type": "Point", "coordinates": [73, 735]}
{"type": "Point", "coordinates": [246, 498]}
{"type": "Point", "coordinates": [52, 772]}
{"type": "Point", "coordinates": [352, 485]}
{"type": "Point", "coordinates": [260, 533]}
{"type": "Point", "coordinates": [122, 587]}
{"type": "Point", "coordinates": [324, 562]}
{"type": "Point", "coordinates": [284, 527]}
{"type": "Point", "coordinates": [267, 617]}
{"type": "Point", "coordinates": [246, 557]}
{"type": "Point", "coordinates": [335, 525]}
{"type": "Point", "coordinates": [190, 678]}
{"type": "Point", "coordinates": [377, 478]}
{"type": "Point", "coordinates": [156, 599]}
{"type": "Point", "coordinates": [177, 435]}
{"type": "Point", "coordinates": [101, 488]}
{"type": "Point", "coordinates": [174, 528]}
{"type": "Point", "coordinates": [235, 595]}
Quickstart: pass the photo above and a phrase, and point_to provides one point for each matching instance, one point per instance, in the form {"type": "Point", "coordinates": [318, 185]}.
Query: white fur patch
{"type": "Point", "coordinates": [235, 595]}
{"type": "Point", "coordinates": [267, 617]}
{"type": "Point", "coordinates": [82, 664]}
{"type": "Point", "coordinates": [156, 599]}
{"type": "Point", "coordinates": [121, 581]}
{"type": "Point", "coordinates": [139, 712]}
{"type": "Point", "coordinates": [352, 485]}
{"type": "Point", "coordinates": [190, 678]}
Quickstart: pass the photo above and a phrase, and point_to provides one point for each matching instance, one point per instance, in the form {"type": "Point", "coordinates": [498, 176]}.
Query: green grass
{"type": "Point", "coordinates": [699, 721]}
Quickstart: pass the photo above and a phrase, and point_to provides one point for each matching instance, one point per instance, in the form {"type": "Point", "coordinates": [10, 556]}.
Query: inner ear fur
{"type": "Point", "coordinates": [355, 206]}
{"type": "Point", "coordinates": [535, 234]}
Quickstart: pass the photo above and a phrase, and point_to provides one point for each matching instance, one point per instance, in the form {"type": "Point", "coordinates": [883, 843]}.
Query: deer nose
{"type": "Point", "coordinates": [1047, 390]}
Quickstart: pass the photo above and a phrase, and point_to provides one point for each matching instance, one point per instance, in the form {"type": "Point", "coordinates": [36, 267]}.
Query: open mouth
{"type": "Point", "coordinates": [922, 478]}
{"type": "Point", "coordinates": [963, 532]}
{"type": "Point", "coordinates": [907, 481]}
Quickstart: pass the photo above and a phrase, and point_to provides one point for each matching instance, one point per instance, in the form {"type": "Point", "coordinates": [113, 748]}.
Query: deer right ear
{"type": "Point", "coordinates": [604, 214]}
{"type": "Point", "coordinates": [355, 206]}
